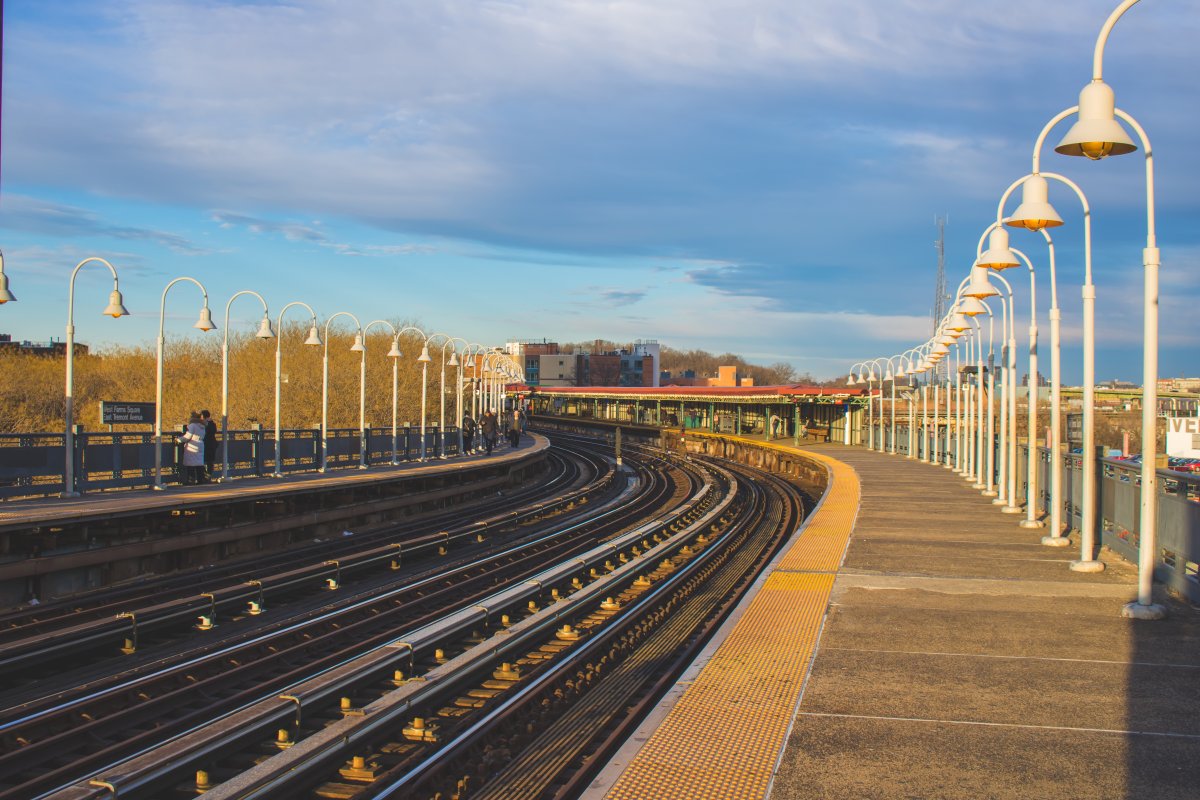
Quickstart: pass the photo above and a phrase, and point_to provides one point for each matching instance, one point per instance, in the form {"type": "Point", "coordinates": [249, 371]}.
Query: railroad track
{"type": "Point", "coordinates": [491, 699]}
{"type": "Point", "coordinates": [52, 745]}
{"type": "Point", "coordinates": [22, 623]}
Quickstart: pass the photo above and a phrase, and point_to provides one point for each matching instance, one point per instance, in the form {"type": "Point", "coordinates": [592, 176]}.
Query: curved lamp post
{"type": "Point", "coordinates": [205, 323]}
{"type": "Point", "coordinates": [1000, 256]}
{"type": "Point", "coordinates": [442, 391]}
{"type": "Point", "coordinates": [394, 354]}
{"type": "Point", "coordinates": [357, 347]}
{"type": "Point", "coordinates": [264, 332]}
{"type": "Point", "coordinates": [1096, 135]}
{"type": "Point", "coordinates": [455, 361]}
{"type": "Point", "coordinates": [312, 340]}
{"type": "Point", "coordinates": [114, 309]}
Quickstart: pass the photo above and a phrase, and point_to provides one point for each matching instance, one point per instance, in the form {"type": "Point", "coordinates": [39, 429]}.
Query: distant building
{"type": "Point", "coordinates": [1179, 384]}
{"type": "Point", "coordinates": [727, 376]}
{"type": "Point", "coordinates": [544, 364]}
{"type": "Point", "coordinates": [50, 348]}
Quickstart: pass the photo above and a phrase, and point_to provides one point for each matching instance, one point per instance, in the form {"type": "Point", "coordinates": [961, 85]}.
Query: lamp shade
{"type": "Point", "coordinates": [264, 329]}
{"type": "Point", "coordinates": [1096, 133]}
{"type": "Point", "coordinates": [972, 306]}
{"type": "Point", "coordinates": [314, 337]}
{"type": "Point", "coordinates": [453, 358]}
{"type": "Point", "coordinates": [205, 322]}
{"type": "Point", "coordinates": [979, 285]}
{"type": "Point", "coordinates": [395, 351]}
{"type": "Point", "coordinates": [900, 373]}
{"type": "Point", "coordinates": [358, 345]}
{"type": "Point", "coordinates": [998, 254]}
{"type": "Point", "coordinates": [5, 294]}
{"type": "Point", "coordinates": [939, 349]}
{"type": "Point", "coordinates": [116, 305]}
{"type": "Point", "coordinates": [1035, 211]}
{"type": "Point", "coordinates": [947, 339]}
{"type": "Point", "coordinates": [850, 381]}
{"type": "Point", "coordinates": [424, 357]}
{"type": "Point", "coordinates": [958, 322]}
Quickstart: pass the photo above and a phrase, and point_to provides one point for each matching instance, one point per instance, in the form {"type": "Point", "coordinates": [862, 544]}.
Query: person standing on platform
{"type": "Point", "coordinates": [193, 451]}
{"type": "Point", "coordinates": [514, 429]}
{"type": "Point", "coordinates": [210, 445]}
{"type": "Point", "coordinates": [468, 432]}
{"type": "Point", "coordinates": [488, 427]}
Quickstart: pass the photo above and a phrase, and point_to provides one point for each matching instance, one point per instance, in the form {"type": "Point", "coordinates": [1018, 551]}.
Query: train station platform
{"type": "Point", "coordinates": [58, 510]}
{"type": "Point", "coordinates": [948, 654]}
{"type": "Point", "coordinates": [52, 548]}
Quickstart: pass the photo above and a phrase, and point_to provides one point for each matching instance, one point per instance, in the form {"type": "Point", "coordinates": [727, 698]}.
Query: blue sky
{"type": "Point", "coordinates": [760, 176]}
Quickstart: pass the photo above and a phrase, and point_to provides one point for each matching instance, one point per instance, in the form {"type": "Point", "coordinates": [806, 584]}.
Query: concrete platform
{"type": "Point", "coordinates": [960, 658]}
{"type": "Point", "coordinates": [957, 658]}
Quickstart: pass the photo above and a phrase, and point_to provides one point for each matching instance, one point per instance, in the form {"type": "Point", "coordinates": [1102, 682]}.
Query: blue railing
{"type": "Point", "coordinates": [32, 464]}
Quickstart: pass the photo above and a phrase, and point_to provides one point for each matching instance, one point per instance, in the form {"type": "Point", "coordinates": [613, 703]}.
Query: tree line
{"type": "Point", "coordinates": [32, 386]}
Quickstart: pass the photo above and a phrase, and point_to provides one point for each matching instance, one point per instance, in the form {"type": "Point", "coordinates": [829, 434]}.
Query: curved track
{"type": "Point", "coordinates": [52, 742]}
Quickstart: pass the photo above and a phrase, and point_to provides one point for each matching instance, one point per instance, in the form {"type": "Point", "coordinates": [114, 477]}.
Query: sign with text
{"type": "Point", "coordinates": [113, 412]}
{"type": "Point", "coordinates": [1183, 437]}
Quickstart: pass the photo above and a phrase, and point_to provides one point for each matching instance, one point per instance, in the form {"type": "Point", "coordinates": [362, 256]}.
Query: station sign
{"type": "Point", "coordinates": [113, 412]}
{"type": "Point", "coordinates": [1183, 437]}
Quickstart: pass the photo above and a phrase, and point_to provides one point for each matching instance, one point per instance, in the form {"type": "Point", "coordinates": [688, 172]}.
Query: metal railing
{"type": "Point", "coordinates": [1118, 513]}
{"type": "Point", "coordinates": [32, 464]}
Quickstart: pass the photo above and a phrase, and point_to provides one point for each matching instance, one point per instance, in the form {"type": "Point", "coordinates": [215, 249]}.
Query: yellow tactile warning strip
{"type": "Point", "coordinates": [723, 737]}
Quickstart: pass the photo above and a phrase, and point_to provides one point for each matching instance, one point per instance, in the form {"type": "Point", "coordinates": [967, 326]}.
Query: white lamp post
{"type": "Point", "coordinates": [357, 347]}
{"type": "Point", "coordinates": [1096, 135]}
{"type": "Point", "coordinates": [394, 354]}
{"type": "Point", "coordinates": [205, 323]}
{"type": "Point", "coordinates": [313, 340]}
{"type": "Point", "coordinates": [455, 361]}
{"type": "Point", "coordinates": [264, 332]}
{"type": "Point", "coordinates": [115, 308]}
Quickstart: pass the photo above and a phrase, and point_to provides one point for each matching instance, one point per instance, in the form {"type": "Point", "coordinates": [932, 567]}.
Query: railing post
{"type": "Point", "coordinates": [364, 446]}
{"type": "Point", "coordinates": [77, 459]}
{"type": "Point", "coordinates": [316, 449]}
{"type": "Point", "coordinates": [256, 448]}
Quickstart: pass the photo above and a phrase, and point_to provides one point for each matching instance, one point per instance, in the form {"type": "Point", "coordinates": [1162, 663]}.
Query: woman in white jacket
{"type": "Point", "coordinates": [193, 451]}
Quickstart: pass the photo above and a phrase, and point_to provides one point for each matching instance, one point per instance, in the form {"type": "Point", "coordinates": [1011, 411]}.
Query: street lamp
{"type": "Point", "coordinates": [264, 332]}
{"type": "Point", "coordinates": [204, 323]}
{"type": "Point", "coordinates": [5, 294]}
{"type": "Point", "coordinates": [1095, 135]}
{"type": "Point", "coordinates": [394, 354]}
{"type": "Point", "coordinates": [455, 361]}
{"type": "Point", "coordinates": [1000, 256]}
{"type": "Point", "coordinates": [313, 340]}
{"type": "Point", "coordinates": [357, 347]}
{"type": "Point", "coordinates": [115, 308]}
{"type": "Point", "coordinates": [1036, 213]}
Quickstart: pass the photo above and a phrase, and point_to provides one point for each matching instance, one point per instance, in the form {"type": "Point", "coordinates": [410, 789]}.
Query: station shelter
{"type": "Point", "coordinates": [823, 414]}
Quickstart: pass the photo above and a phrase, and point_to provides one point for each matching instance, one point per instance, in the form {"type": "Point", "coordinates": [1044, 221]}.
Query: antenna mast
{"type": "Point", "coordinates": [940, 297]}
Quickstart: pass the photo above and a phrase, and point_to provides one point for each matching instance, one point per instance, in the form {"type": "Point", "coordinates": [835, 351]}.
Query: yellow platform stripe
{"type": "Point", "coordinates": [724, 735]}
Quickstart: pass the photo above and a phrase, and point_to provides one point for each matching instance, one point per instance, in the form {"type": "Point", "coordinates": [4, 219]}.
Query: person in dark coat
{"type": "Point", "coordinates": [210, 445]}
{"type": "Point", "coordinates": [468, 433]}
{"type": "Point", "coordinates": [489, 427]}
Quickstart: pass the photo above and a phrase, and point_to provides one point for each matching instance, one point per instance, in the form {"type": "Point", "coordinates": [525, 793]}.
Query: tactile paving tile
{"type": "Point", "coordinates": [723, 737]}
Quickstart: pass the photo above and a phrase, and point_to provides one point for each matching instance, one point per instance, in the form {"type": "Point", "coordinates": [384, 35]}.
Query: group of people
{"type": "Point", "coordinates": [199, 442]}
{"type": "Point", "coordinates": [489, 428]}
